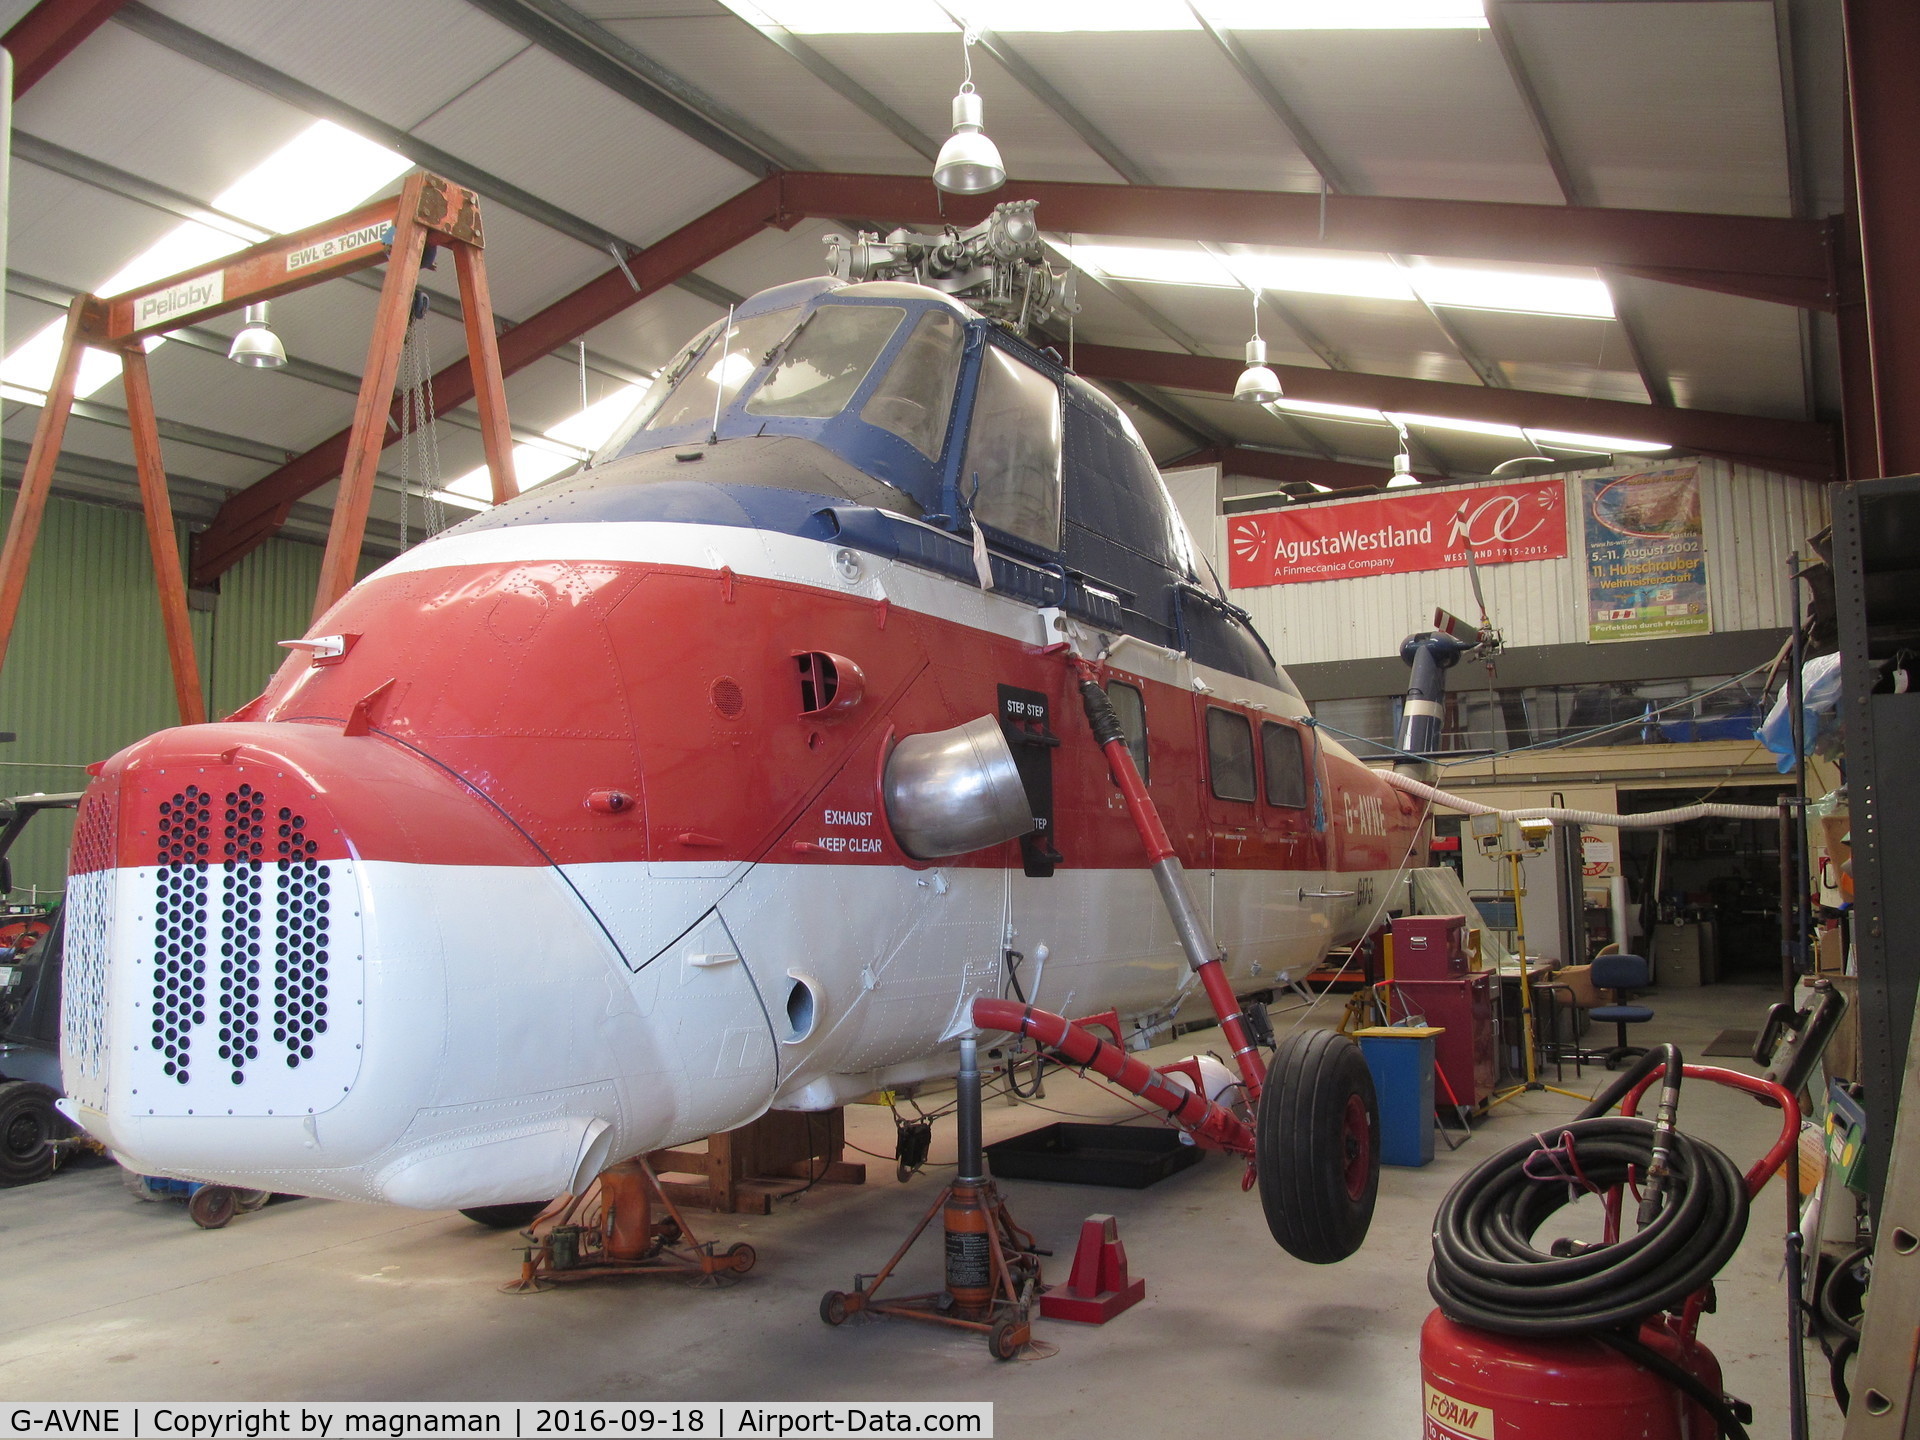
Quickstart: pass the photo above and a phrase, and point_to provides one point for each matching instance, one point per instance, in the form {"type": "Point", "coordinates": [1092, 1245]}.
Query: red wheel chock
{"type": "Point", "coordinates": [1099, 1287]}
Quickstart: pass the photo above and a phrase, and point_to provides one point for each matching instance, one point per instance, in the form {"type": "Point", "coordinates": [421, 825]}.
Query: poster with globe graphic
{"type": "Point", "coordinates": [1646, 555]}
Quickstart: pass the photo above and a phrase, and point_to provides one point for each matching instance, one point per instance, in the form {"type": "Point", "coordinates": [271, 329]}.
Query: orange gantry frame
{"type": "Point", "coordinates": [396, 231]}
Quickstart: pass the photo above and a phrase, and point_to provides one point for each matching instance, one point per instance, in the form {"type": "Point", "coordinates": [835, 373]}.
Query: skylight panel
{"type": "Point", "coordinates": [1346, 14]}
{"type": "Point", "coordinates": [320, 172]}
{"type": "Point", "coordinates": [1523, 292]}
{"type": "Point", "coordinates": [1362, 277]}
{"type": "Point", "coordinates": [915, 17]}
{"type": "Point", "coordinates": [1157, 266]}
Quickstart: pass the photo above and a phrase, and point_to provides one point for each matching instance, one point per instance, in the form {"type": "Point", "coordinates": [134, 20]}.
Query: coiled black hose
{"type": "Point", "coordinates": [1487, 1273]}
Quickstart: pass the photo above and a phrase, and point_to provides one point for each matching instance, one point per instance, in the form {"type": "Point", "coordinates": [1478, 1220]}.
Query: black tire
{"type": "Point", "coordinates": [516, 1216]}
{"type": "Point", "coordinates": [833, 1307]}
{"type": "Point", "coordinates": [1317, 1147]}
{"type": "Point", "coordinates": [28, 1127]}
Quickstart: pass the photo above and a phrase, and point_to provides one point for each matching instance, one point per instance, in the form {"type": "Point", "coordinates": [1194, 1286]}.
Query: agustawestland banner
{"type": "Point", "coordinates": [1414, 530]}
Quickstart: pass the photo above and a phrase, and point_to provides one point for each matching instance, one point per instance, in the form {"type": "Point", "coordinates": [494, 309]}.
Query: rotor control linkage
{"type": "Point", "coordinates": [1202, 954]}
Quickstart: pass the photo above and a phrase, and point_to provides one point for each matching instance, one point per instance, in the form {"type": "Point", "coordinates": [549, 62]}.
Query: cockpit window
{"type": "Point", "coordinates": [826, 360]}
{"type": "Point", "coordinates": [915, 399]}
{"type": "Point", "coordinates": [729, 360]}
{"type": "Point", "coordinates": [1011, 475]}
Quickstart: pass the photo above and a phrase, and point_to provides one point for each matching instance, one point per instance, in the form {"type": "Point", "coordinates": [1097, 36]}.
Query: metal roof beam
{"type": "Point", "coordinates": [1795, 447]}
{"type": "Point", "coordinates": [102, 176]}
{"type": "Point", "coordinates": [599, 54]}
{"type": "Point", "coordinates": [50, 32]}
{"type": "Point", "coordinates": [1763, 257]}
{"type": "Point", "coordinates": [184, 40]}
{"type": "Point", "coordinates": [251, 516]}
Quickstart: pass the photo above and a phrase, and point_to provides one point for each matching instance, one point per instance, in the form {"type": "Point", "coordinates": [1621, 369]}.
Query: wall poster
{"type": "Point", "coordinates": [1646, 555]}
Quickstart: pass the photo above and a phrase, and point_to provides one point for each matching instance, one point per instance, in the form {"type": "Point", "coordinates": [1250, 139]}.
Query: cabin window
{"type": "Point", "coordinates": [1130, 707]}
{"type": "Point", "coordinates": [1011, 475]}
{"type": "Point", "coordinates": [915, 399]}
{"type": "Point", "coordinates": [715, 378]}
{"type": "Point", "coordinates": [825, 361]}
{"type": "Point", "coordinates": [1286, 761]}
{"type": "Point", "coordinates": [1230, 755]}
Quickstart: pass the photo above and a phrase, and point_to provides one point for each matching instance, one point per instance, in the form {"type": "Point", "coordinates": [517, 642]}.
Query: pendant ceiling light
{"type": "Point", "coordinates": [1257, 385]}
{"type": "Point", "coordinates": [256, 344]}
{"type": "Point", "coordinates": [1403, 475]}
{"type": "Point", "coordinates": [969, 162]}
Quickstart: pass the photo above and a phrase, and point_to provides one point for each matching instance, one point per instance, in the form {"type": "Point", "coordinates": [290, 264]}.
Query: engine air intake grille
{"type": "Point", "coordinates": [180, 928]}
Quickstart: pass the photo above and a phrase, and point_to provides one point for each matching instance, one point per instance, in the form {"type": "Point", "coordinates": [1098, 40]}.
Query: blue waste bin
{"type": "Point", "coordinates": [1401, 1059]}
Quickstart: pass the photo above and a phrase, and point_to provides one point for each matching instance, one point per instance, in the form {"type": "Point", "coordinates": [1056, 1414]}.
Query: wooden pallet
{"type": "Point", "coordinates": [743, 1171]}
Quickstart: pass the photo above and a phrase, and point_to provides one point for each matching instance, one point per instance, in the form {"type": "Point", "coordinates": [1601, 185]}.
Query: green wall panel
{"type": "Point", "coordinates": [86, 672]}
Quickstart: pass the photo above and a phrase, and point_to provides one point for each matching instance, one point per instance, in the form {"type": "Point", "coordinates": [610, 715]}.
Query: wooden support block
{"type": "Point", "coordinates": [745, 1169]}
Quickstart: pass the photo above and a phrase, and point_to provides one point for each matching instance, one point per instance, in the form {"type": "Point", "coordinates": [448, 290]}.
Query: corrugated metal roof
{"type": "Point", "coordinates": [1674, 105]}
{"type": "Point", "coordinates": [1664, 107]}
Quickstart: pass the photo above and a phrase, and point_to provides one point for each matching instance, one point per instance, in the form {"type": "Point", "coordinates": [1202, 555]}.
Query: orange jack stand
{"type": "Point", "coordinates": [1099, 1287]}
{"type": "Point", "coordinates": [992, 1265]}
{"type": "Point", "coordinates": [400, 231]}
{"type": "Point", "coordinates": [993, 1272]}
{"type": "Point", "coordinates": [611, 1228]}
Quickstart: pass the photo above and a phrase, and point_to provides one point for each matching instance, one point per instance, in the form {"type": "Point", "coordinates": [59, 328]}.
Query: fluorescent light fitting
{"type": "Point", "coordinates": [1594, 444]}
{"type": "Point", "coordinates": [1521, 292]}
{"type": "Point", "coordinates": [1329, 412]}
{"type": "Point", "coordinates": [1464, 427]}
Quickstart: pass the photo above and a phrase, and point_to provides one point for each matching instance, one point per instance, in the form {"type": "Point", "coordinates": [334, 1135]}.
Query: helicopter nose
{"type": "Point", "coordinates": [284, 967]}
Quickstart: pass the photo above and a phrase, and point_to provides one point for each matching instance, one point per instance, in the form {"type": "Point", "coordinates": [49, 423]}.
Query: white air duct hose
{"type": "Point", "coordinates": [1652, 820]}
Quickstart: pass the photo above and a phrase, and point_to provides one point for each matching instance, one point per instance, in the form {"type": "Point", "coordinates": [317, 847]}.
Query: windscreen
{"type": "Point", "coordinates": [915, 398]}
{"type": "Point", "coordinates": [726, 363]}
{"type": "Point", "coordinates": [826, 360]}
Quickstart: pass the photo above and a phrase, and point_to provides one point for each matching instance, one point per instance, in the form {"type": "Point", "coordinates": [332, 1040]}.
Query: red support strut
{"type": "Point", "coordinates": [1202, 954]}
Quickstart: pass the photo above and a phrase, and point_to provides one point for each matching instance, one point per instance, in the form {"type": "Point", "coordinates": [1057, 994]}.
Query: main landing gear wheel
{"type": "Point", "coordinates": [833, 1307]}
{"type": "Point", "coordinates": [28, 1127]}
{"type": "Point", "coordinates": [516, 1216]}
{"type": "Point", "coordinates": [1317, 1147]}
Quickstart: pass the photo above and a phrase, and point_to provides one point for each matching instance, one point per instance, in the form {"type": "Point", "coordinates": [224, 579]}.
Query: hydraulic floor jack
{"type": "Point", "coordinates": [992, 1265]}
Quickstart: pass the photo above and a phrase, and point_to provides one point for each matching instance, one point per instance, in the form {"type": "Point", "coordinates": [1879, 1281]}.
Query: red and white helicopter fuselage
{"type": "Point", "coordinates": [548, 847]}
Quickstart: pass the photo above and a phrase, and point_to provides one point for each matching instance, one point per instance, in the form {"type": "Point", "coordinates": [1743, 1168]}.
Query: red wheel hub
{"type": "Point", "coordinates": [1356, 1139]}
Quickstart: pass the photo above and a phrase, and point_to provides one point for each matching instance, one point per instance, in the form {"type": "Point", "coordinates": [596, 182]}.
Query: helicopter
{"type": "Point", "coordinates": [729, 772]}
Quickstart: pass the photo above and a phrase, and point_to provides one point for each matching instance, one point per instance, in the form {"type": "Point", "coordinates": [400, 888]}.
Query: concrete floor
{"type": "Point", "coordinates": [104, 1298]}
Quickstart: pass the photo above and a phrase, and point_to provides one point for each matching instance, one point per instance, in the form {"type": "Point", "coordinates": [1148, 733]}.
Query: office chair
{"type": "Point", "coordinates": [1619, 974]}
